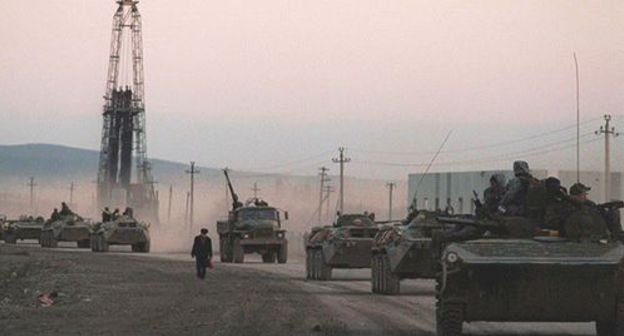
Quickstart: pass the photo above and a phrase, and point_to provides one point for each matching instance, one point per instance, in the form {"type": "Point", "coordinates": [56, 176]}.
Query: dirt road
{"type": "Point", "coordinates": [123, 293]}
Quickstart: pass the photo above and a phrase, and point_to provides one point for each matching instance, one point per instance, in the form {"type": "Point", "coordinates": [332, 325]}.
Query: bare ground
{"type": "Point", "coordinates": [123, 294]}
{"type": "Point", "coordinates": [157, 294]}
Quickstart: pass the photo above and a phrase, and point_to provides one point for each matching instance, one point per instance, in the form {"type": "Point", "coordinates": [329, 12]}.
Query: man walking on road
{"type": "Point", "coordinates": [202, 252]}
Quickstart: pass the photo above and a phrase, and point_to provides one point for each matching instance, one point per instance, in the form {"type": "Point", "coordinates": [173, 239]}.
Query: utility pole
{"type": "Point", "coordinates": [71, 193]}
{"type": "Point", "coordinates": [31, 184]}
{"type": "Point", "coordinates": [192, 172]}
{"type": "Point", "coordinates": [169, 205]}
{"type": "Point", "coordinates": [186, 208]}
{"type": "Point", "coordinates": [255, 189]}
{"type": "Point", "coordinates": [341, 160]}
{"type": "Point", "coordinates": [390, 186]}
{"type": "Point", "coordinates": [608, 131]}
{"type": "Point", "coordinates": [324, 179]}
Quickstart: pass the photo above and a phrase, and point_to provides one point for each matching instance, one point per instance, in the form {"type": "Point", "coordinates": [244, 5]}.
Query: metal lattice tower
{"type": "Point", "coordinates": [123, 130]}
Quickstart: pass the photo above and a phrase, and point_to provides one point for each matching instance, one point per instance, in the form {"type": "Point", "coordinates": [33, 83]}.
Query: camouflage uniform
{"type": "Point", "coordinates": [513, 201]}
{"type": "Point", "coordinates": [493, 194]}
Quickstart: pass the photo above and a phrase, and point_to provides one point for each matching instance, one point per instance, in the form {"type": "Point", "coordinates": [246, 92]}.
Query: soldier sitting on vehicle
{"type": "Point", "coordinates": [65, 210]}
{"type": "Point", "coordinates": [513, 202]}
{"type": "Point", "coordinates": [115, 214]}
{"type": "Point", "coordinates": [55, 215]}
{"type": "Point", "coordinates": [494, 193]}
{"type": "Point", "coordinates": [128, 212]}
{"type": "Point", "coordinates": [558, 206]}
{"type": "Point", "coordinates": [106, 215]}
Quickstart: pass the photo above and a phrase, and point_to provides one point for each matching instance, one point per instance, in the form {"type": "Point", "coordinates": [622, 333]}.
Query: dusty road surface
{"type": "Point", "coordinates": [157, 294]}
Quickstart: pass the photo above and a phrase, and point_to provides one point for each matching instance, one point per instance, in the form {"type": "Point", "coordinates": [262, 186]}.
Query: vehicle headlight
{"type": "Point", "coordinates": [452, 257]}
{"type": "Point", "coordinates": [280, 235]}
{"type": "Point", "coordinates": [246, 236]}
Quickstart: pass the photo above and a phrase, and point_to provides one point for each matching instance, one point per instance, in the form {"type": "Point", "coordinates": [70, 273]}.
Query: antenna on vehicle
{"type": "Point", "coordinates": [422, 177]}
{"type": "Point", "coordinates": [578, 122]}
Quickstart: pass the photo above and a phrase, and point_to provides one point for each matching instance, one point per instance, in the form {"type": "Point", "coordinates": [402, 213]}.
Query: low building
{"type": "Point", "coordinates": [455, 189]}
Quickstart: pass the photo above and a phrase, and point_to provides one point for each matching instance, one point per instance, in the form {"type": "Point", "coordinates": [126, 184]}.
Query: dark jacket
{"type": "Point", "coordinates": [202, 247]}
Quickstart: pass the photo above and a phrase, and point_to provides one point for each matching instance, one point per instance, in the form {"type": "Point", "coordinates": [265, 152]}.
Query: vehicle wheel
{"type": "Point", "coordinates": [103, 244]}
{"type": "Point", "coordinates": [222, 251]}
{"type": "Point", "coordinates": [268, 257]}
{"type": "Point", "coordinates": [226, 251]}
{"type": "Point", "coordinates": [324, 271]}
{"type": "Point", "coordinates": [52, 242]}
{"type": "Point", "coordinates": [309, 265]}
{"type": "Point", "coordinates": [615, 327]}
{"type": "Point", "coordinates": [238, 252]}
{"type": "Point", "coordinates": [282, 253]}
{"type": "Point", "coordinates": [93, 243]}
{"type": "Point", "coordinates": [143, 247]}
{"type": "Point", "coordinates": [43, 239]}
{"type": "Point", "coordinates": [375, 273]}
{"type": "Point", "coordinates": [390, 282]}
{"type": "Point", "coordinates": [10, 238]}
{"type": "Point", "coordinates": [449, 315]}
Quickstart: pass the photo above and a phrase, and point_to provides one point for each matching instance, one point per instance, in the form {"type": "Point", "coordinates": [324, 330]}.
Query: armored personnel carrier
{"type": "Point", "coordinates": [68, 227]}
{"type": "Point", "coordinates": [26, 227]}
{"type": "Point", "coordinates": [510, 274]}
{"type": "Point", "coordinates": [404, 251]}
{"type": "Point", "coordinates": [253, 227]}
{"type": "Point", "coordinates": [125, 230]}
{"type": "Point", "coordinates": [346, 244]}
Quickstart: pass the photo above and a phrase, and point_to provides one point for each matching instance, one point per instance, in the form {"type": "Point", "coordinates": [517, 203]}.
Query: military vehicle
{"type": "Point", "coordinates": [253, 227]}
{"type": "Point", "coordinates": [26, 227]}
{"type": "Point", "coordinates": [573, 275]}
{"type": "Point", "coordinates": [125, 230]}
{"type": "Point", "coordinates": [68, 227]}
{"type": "Point", "coordinates": [404, 251]}
{"type": "Point", "coordinates": [346, 244]}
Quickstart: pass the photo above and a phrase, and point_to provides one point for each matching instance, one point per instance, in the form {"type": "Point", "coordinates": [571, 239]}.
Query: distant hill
{"type": "Point", "coordinates": [55, 162]}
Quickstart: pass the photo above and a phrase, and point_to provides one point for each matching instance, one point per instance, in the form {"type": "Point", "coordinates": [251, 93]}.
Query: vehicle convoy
{"type": "Point", "coordinates": [404, 251]}
{"type": "Point", "coordinates": [26, 227]}
{"type": "Point", "coordinates": [513, 274]}
{"type": "Point", "coordinates": [124, 230]}
{"type": "Point", "coordinates": [346, 244]}
{"type": "Point", "coordinates": [253, 227]}
{"type": "Point", "coordinates": [66, 226]}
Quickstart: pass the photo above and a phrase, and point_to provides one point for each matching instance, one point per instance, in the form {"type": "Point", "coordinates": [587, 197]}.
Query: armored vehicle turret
{"type": "Point", "coordinates": [124, 230]}
{"type": "Point", "coordinates": [66, 226]}
{"type": "Point", "coordinates": [26, 227]}
{"type": "Point", "coordinates": [518, 272]}
{"type": "Point", "coordinates": [346, 244]}
{"type": "Point", "coordinates": [253, 227]}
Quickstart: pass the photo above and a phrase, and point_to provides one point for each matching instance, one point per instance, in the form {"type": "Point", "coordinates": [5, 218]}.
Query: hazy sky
{"type": "Point", "coordinates": [260, 84]}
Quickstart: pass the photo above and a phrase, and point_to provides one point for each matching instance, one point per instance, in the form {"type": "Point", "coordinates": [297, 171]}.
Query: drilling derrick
{"type": "Point", "coordinates": [123, 131]}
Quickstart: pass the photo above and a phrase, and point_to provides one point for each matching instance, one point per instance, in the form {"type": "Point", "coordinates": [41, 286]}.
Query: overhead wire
{"type": "Point", "coordinates": [480, 147]}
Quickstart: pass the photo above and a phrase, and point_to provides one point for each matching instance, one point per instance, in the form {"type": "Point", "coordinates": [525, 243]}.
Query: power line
{"type": "Point", "coordinates": [481, 147]}
{"type": "Point", "coordinates": [401, 164]}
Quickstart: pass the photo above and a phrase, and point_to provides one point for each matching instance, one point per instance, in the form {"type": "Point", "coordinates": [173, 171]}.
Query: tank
{"type": "Point", "coordinates": [68, 228]}
{"type": "Point", "coordinates": [125, 230]}
{"type": "Point", "coordinates": [403, 250]}
{"type": "Point", "coordinates": [346, 244]}
{"type": "Point", "coordinates": [253, 227]}
{"type": "Point", "coordinates": [573, 275]}
{"type": "Point", "coordinates": [26, 227]}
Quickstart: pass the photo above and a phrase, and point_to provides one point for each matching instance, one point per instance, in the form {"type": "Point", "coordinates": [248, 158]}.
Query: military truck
{"type": "Point", "coordinates": [68, 227]}
{"type": "Point", "coordinates": [26, 227]}
{"type": "Point", "coordinates": [403, 250]}
{"type": "Point", "coordinates": [516, 272]}
{"type": "Point", "coordinates": [125, 230]}
{"type": "Point", "coordinates": [253, 227]}
{"type": "Point", "coordinates": [346, 244]}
